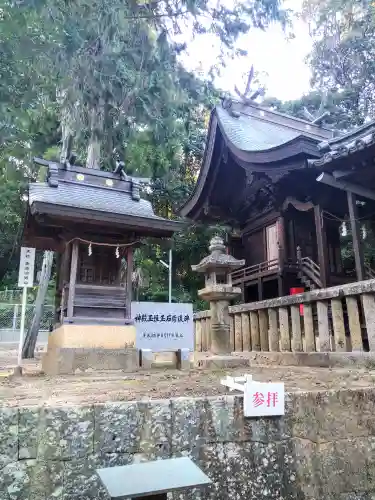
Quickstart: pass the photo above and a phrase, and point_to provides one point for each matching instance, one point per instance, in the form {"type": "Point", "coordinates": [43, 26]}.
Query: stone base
{"type": "Point", "coordinates": [218, 362]}
{"type": "Point", "coordinates": [312, 359]}
{"type": "Point", "coordinates": [66, 360]}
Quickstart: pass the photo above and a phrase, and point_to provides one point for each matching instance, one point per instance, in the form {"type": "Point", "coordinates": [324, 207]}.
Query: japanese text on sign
{"type": "Point", "coordinates": [264, 399]}
{"type": "Point", "coordinates": [169, 318]}
{"type": "Point", "coordinates": [26, 271]}
{"type": "Point", "coordinates": [163, 326]}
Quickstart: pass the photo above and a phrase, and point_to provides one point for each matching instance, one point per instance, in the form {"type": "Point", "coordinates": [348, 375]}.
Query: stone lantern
{"type": "Point", "coordinates": [218, 291]}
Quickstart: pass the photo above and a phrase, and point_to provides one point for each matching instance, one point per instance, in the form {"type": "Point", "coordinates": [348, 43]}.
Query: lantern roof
{"type": "Point", "coordinates": [218, 260]}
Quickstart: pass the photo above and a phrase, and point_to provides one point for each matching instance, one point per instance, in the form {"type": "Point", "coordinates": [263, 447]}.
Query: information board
{"type": "Point", "coordinates": [162, 326]}
{"type": "Point", "coordinates": [26, 271]}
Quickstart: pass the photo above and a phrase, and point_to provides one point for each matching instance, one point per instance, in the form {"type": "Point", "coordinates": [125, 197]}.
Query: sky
{"type": "Point", "coordinates": [280, 62]}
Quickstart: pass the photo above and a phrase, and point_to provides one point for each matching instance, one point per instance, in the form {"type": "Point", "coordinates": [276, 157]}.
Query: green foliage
{"type": "Point", "coordinates": [342, 59]}
{"type": "Point", "coordinates": [109, 73]}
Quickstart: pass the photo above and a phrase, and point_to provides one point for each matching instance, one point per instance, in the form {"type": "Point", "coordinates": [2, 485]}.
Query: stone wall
{"type": "Point", "coordinates": [324, 448]}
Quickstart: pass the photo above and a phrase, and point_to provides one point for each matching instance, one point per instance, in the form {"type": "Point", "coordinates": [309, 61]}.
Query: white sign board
{"type": "Point", "coordinates": [26, 272]}
{"type": "Point", "coordinates": [162, 326]}
{"type": "Point", "coordinates": [264, 399]}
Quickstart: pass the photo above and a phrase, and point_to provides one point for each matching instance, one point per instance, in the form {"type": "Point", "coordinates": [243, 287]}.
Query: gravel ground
{"type": "Point", "coordinates": [35, 388]}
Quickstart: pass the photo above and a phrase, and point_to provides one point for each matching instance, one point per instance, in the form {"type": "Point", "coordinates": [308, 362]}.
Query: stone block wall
{"type": "Point", "coordinates": [324, 447]}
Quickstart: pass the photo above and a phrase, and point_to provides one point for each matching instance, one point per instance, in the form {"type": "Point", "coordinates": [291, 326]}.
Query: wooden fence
{"type": "Point", "coordinates": [340, 318]}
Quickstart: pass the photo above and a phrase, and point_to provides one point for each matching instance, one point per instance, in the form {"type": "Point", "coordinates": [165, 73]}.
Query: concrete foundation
{"type": "Point", "coordinates": [66, 360]}
{"type": "Point", "coordinates": [93, 336]}
{"type": "Point", "coordinates": [95, 347]}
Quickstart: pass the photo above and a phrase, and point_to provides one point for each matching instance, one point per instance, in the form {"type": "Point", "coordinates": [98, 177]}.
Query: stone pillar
{"type": "Point", "coordinates": [220, 328]}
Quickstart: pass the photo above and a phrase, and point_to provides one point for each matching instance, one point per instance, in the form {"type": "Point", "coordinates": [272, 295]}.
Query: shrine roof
{"type": "Point", "coordinates": [252, 128]}
{"type": "Point", "coordinates": [258, 139]}
{"type": "Point", "coordinates": [345, 145]}
{"type": "Point", "coordinates": [84, 193]}
{"type": "Point", "coordinates": [90, 198]}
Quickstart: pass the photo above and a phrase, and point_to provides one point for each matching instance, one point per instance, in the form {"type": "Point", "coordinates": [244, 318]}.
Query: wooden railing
{"type": "Point", "coordinates": [311, 270]}
{"type": "Point", "coordinates": [256, 271]}
{"type": "Point", "coordinates": [202, 330]}
{"type": "Point", "coordinates": [340, 318]}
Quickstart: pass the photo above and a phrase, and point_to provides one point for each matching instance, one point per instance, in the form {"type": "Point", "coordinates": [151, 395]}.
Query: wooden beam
{"type": "Point", "coordinates": [346, 186]}
{"type": "Point", "coordinates": [73, 278]}
{"type": "Point", "coordinates": [356, 235]}
{"type": "Point", "coordinates": [321, 239]}
{"type": "Point", "coordinates": [129, 281]}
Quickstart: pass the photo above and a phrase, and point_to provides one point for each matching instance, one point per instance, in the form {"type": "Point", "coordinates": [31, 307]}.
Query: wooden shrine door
{"type": "Point", "coordinates": [271, 242]}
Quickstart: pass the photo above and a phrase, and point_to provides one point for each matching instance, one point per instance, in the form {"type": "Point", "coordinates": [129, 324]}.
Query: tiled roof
{"type": "Point", "coordinates": [252, 128]}
{"type": "Point", "coordinates": [346, 145]}
{"type": "Point", "coordinates": [90, 197]}
{"type": "Point", "coordinates": [90, 194]}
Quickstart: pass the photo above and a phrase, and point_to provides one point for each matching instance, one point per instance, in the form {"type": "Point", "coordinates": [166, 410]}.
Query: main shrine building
{"type": "Point", "coordinates": [285, 185]}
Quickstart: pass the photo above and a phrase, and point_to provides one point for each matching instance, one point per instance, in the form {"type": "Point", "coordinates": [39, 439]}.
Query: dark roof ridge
{"type": "Point", "coordinates": [265, 114]}
{"type": "Point", "coordinates": [350, 135]}
{"type": "Point", "coordinates": [126, 190]}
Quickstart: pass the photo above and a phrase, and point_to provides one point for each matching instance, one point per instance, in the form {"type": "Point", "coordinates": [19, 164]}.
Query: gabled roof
{"type": "Point", "coordinates": [92, 195]}
{"type": "Point", "coordinates": [347, 144]}
{"type": "Point", "coordinates": [258, 138]}
{"type": "Point", "coordinates": [91, 198]}
{"type": "Point", "coordinates": [252, 128]}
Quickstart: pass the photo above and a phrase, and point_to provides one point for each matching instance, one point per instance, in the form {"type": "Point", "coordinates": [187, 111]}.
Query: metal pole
{"type": "Point", "coordinates": [170, 276]}
{"type": "Point", "coordinates": [15, 316]}
{"type": "Point", "coordinates": [22, 326]}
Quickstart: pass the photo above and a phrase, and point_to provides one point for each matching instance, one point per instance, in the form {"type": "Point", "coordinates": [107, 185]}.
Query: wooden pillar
{"type": "Point", "coordinates": [281, 242]}
{"type": "Point", "coordinates": [260, 289]}
{"type": "Point", "coordinates": [73, 278]}
{"type": "Point", "coordinates": [129, 281]}
{"type": "Point", "coordinates": [282, 255]}
{"type": "Point", "coordinates": [280, 285]}
{"type": "Point", "coordinates": [292, 241]}
{"type": "Point", "coordinates": [321, 239]}
{"type": "Point", "coordinates": [64, 267]}
{"type": "Point", "coordinates": [356, 235]}
{"type": "Point", "coordinates": [242, 293]}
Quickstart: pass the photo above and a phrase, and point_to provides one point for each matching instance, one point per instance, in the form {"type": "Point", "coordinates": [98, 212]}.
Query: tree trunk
{"type": "Point", "coordinates": [93, 149]}
{"type": "Point", "coordinates": [67, 132]}
{"type": "Point", "coordinates": [67, 142]}
{"type": "Point", "coordinates": [32, 333]}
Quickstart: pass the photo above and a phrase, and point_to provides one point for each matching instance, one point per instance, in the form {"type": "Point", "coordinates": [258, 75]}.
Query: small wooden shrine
{"type": "Point", "coordinates": [93, 220]}
{"type": "Point", "coordinates": [259, 176]}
